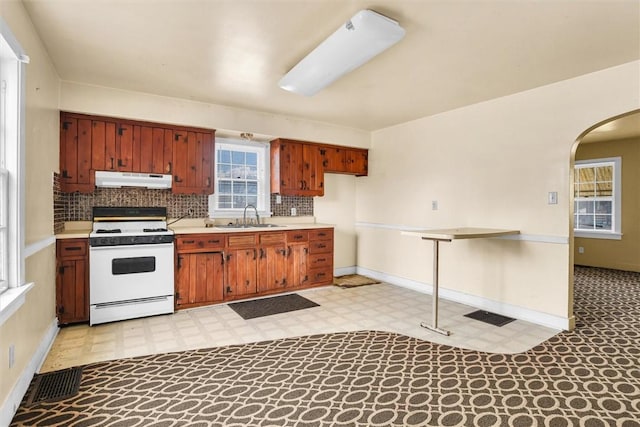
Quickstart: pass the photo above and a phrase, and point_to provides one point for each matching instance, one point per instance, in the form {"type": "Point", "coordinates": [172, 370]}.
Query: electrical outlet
{"type": "Point", "coordinates": [580, 249]}
{"type": "Point", "coordinates": [434, 205]}
{"type": "Point", "coordinates": [553, 198]}
{"type": "Point", "coordinates": [293, 212]}
{"type": "Point", "coordinates": [12, 355]}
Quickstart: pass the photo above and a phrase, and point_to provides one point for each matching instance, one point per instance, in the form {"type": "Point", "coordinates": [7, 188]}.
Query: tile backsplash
{"type": "Point", "coordinates": [77, 206]}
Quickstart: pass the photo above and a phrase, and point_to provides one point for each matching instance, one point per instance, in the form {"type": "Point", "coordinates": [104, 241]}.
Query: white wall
{"type": "Point", "coordinates": [81, 98]}
{"type": "Point", "coordinates": [338, 207]}
{"type": "Point", "coordinates": [33, 326]}
{"type": "Point", "coordinates": [489, 165]}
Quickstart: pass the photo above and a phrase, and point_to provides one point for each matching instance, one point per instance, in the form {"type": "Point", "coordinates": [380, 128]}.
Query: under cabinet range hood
{"type": "Point", "coordinates": [132, 179]}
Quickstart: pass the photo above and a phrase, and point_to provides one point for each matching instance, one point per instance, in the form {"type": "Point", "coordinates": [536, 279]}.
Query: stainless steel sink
{"type": "Point", "coordinates": [247, 225]}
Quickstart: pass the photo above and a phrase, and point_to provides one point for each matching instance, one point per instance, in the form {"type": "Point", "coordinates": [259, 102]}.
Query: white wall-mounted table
{"type": "Point", "coordinates": [447, 235]}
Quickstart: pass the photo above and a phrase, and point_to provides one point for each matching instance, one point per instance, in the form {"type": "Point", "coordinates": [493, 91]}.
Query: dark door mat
{"type": "Point", "coordinates": [490, 318]}
{"type": "Point", "coordinates": [273, 305]}
{"type": "Point", "coordinates": [54, 386]}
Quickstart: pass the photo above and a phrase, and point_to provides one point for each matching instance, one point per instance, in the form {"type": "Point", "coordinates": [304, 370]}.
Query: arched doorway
{"type": "Point", "coordinates": [605, 196]}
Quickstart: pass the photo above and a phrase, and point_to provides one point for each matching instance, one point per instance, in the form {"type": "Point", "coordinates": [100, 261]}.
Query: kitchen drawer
{"type": "Point", "coordinates": [72, 248]}
{"type": "Point", "coordinates": [209, 241]}
{"type": "Point", "coordinates": [320, 260]}
{"type": "Point", "coordinates": [297, 236]}
{"type": "Point", "coordinates": [271, 238]}
{"type": "Point", "coordinates": [321, 246]}
{"type": "Point", "coordinates": [242, 240]}
{"type": "Point", "coordinates": [320, 276]}
{"type": "Point", "coordinates": [321, 234]}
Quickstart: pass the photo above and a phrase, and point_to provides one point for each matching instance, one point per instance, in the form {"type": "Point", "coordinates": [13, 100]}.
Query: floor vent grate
{"type": "Point", "coordinates": [490, 318]}
{"type": "Point", "coordinates": [56, 385]}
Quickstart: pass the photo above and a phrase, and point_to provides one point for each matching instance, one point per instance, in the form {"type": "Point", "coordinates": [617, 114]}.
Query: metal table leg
{"type": "Point", "coordinates": [434, 315]}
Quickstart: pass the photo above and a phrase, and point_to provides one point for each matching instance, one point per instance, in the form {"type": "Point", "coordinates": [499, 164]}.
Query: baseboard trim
{"type": "Point", "coordinates": [10, 405]}
{"type": "Point", "coordinates": [343, 271]}
{"type": "Point", "coordinates": [517, 312]}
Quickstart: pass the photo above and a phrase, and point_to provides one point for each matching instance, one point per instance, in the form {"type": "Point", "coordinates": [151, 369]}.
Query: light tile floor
{"type": "Point", "coordinates": [375, 307]}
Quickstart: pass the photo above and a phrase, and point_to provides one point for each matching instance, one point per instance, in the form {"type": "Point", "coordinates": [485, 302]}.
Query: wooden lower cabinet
{"type": "Point", "coordinates": [320, 257]}
{"type": "Point", "coordinates": [242, 273]}
{"type": "Point", "coordinates": [72, 281]}
{"type": "Point", "coordinates": [199, 279]}
{"type": "Point", "coordinates": [212, 268]}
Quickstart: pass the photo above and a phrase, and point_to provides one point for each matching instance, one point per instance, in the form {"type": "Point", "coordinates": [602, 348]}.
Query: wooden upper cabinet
{"type": "Point", "coordinates": [353, 161]}
{"type": "Point", "coordinates": [75, 155]}
{"type": "Point", "coordinates": [296, 168]}
{"type": "Point", "coordinates": [193, 162]}
{"type": "Point", "coordinates": [92, 143]}
{"type": "Point", "coordinates": [333, 159]}
{"type": "Point", "coordinates": [357, 161]}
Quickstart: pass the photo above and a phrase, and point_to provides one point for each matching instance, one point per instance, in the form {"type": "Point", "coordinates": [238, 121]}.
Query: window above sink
{"type": "Point", "coordinates": [241, 178]}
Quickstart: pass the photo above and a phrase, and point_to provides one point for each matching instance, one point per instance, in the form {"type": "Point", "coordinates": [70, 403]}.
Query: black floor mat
{"type": "Point", "coordinates": [56, 385]}
{"type": "Point", "coordinates": [490, 318]}
{"type": "Point", "coordinates": [269, 306]}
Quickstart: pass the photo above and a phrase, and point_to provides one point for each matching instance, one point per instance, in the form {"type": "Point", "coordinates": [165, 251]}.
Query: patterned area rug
{"type": "Point", "coordinates": [589, 377]}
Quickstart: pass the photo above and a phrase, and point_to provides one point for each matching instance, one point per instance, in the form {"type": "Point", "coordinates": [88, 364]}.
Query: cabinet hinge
{"type": "Point", "coordinates": [177, 296]}
{"type": "Point", "coordinates": [61, 269]}
{"type": "Point", "coordinates": [177, 136]}
{"type": "Point", "coordinates": [61, 310]}
{"type": "Point", "coordinates": [65, 125]}
{"type": "Point", "coordinates": [121, 131]}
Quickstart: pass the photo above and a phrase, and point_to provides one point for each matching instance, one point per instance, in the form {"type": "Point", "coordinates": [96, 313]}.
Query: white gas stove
{"type": "Point", "coordinates": [130, 263]}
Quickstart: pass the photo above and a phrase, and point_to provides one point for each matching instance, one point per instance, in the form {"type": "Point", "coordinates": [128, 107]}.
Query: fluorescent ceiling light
{"type": "Point", "coordinates": [361, 38]}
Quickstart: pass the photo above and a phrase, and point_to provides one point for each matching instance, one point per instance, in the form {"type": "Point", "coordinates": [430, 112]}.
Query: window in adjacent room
{"type": "Point", "coordinates": [597, 198]}
{"type": "Point", "coordinates": [241, 178]}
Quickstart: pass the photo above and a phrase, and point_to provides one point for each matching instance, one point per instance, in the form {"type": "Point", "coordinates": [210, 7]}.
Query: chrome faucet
{"type": "Point", "coordinates": [244, 215]}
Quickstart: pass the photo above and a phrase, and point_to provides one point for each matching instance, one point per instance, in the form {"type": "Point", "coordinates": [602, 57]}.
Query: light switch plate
{"type": "Point", "coordinates": [553, 197]}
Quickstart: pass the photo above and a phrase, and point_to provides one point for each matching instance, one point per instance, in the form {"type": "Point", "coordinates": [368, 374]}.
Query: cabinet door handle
{"type": "Point", "coordinates": [179, 264]}
{"type": "Point", "coordinates": [65, 174]}
{"type": "Point", "coordinates": [214, 241]}
{"type": "Point", "coordinates": [255, 254]}
{"type": "Point", "coordinates": [321, 246]}
{"type": "Point", "coordinates": [169, 166]}
{"type": "Point", "coordinates": [208, 182]}
{"type": "Point", "coordinates": [188, 242]}
{"type": "Point", "coordinates": [177, 179]}
{"type": "Point", "coordinates": [73, 248]}
{"type": "Point", "coordinates": [322, 234]}
{"type": "Point", "coordinates": [222, 258]}
{"type": "Point", "coordinates": [289, 251]}
{"type": "Point", "coordinates": [322, 259]}
{"type": "Point", "coordinates": [112, 163]}
{"type": "Point", "coordinates": [121, 163]}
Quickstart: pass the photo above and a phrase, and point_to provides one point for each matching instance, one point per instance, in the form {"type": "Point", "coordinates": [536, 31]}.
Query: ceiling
{"type": "Point", "coordinates": [233, 52]}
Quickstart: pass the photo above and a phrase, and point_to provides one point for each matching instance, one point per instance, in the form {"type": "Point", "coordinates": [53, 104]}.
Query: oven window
{"type": "Point", "coordinates": [145, 264]}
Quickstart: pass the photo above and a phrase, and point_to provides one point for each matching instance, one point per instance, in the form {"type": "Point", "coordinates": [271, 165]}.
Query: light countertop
{"type": "Point", "coordinates": [460, 233]}
{"type": "Point", "coordinates": [81, 229]}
